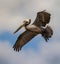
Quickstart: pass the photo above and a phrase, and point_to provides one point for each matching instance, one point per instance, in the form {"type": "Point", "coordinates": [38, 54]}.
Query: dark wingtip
{"type": "Point", "coordinates": [15, 49]}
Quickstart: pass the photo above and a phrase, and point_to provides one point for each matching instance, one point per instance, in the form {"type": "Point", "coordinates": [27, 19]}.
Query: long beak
{"type": "Point", "coordinates": [19, 28]}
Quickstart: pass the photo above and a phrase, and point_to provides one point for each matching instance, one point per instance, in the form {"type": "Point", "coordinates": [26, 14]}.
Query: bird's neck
{"type": "Point", "coordinates": [26, 25]}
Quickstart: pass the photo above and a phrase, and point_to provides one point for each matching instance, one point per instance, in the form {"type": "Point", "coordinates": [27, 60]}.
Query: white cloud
{"type": "Point", "coordinates": [8, 55]}
{"type": "Point", "coordinates": [49, 53]}
{"type": "Point", "coordinates": [14, 11]}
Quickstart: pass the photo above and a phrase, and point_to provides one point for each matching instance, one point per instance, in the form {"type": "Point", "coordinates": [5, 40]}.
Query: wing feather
{"type": "Point", "coordinates": [23, 39]}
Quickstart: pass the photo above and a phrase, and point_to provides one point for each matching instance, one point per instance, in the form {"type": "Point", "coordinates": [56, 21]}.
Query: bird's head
{"type": "Point", "coordinates": [25, 23]}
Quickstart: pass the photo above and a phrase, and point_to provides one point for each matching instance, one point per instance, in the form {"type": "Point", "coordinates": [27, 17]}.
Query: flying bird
{"type": "Point", "coordinates": [37, 27]}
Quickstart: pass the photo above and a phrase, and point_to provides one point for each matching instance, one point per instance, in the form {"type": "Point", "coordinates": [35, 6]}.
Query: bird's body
{"type": "Point", "coordinates": [33, 30]}
{"type": "Point", "coordinates": [25, 37]}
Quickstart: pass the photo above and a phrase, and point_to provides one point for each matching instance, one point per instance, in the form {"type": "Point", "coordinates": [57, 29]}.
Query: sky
{"type": "Point", "coordinates": [37, 51]}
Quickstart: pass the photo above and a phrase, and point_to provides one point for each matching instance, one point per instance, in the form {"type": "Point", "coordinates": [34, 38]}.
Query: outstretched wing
{"type": "Point", "coordinates": [42, 17]}
{"type": "Point", "coordinates": [23, 39]}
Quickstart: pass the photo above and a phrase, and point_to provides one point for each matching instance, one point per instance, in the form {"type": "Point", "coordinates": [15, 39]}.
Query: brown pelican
{"type": "Point", "coordinates": [34, 29]}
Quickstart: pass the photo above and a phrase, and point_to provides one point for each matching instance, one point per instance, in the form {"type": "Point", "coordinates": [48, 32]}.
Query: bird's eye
{"type": "Point", "coordinates": [27, 22]}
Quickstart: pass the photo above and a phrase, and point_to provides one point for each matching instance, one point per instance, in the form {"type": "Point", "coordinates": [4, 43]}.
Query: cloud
{"type": "Point", "coordinates": [49, 53]}
{"type": "Point", "coordinates": [12, 12]}
{"type": "Point", "coordinates": [9, 56]}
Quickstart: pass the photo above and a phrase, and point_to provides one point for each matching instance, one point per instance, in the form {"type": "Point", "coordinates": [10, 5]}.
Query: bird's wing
{"type": "Point", "coordinates": [42, 17]}
{"type": "Point", "coordinates": [47, 33]}
{"type": "Point", "coordinates": [23, 39]}
{"type": "Point", "coordinates": [49, 30]}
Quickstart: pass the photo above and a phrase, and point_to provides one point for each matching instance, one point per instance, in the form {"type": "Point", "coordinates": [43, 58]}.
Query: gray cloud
{"type": "Point", "coordinates": [12, 12]}
{"type": "Point", "coordinates": [48, 53]}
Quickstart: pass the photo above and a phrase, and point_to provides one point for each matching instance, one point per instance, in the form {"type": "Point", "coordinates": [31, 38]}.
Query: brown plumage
{"type": "Point", "coordinates": [36, 28]}
{"type": "Point", "coordinates": [23, 39]}
{"type": "Point", "coordinates": [47, 33]}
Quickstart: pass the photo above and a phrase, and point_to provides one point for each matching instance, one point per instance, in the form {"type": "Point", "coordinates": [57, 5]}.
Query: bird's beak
{"type": "Point", "coordinates": [19, 27]}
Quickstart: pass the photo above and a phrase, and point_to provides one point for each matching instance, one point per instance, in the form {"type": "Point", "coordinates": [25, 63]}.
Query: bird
{"type": "Point", "coordinates": [37, 27]}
